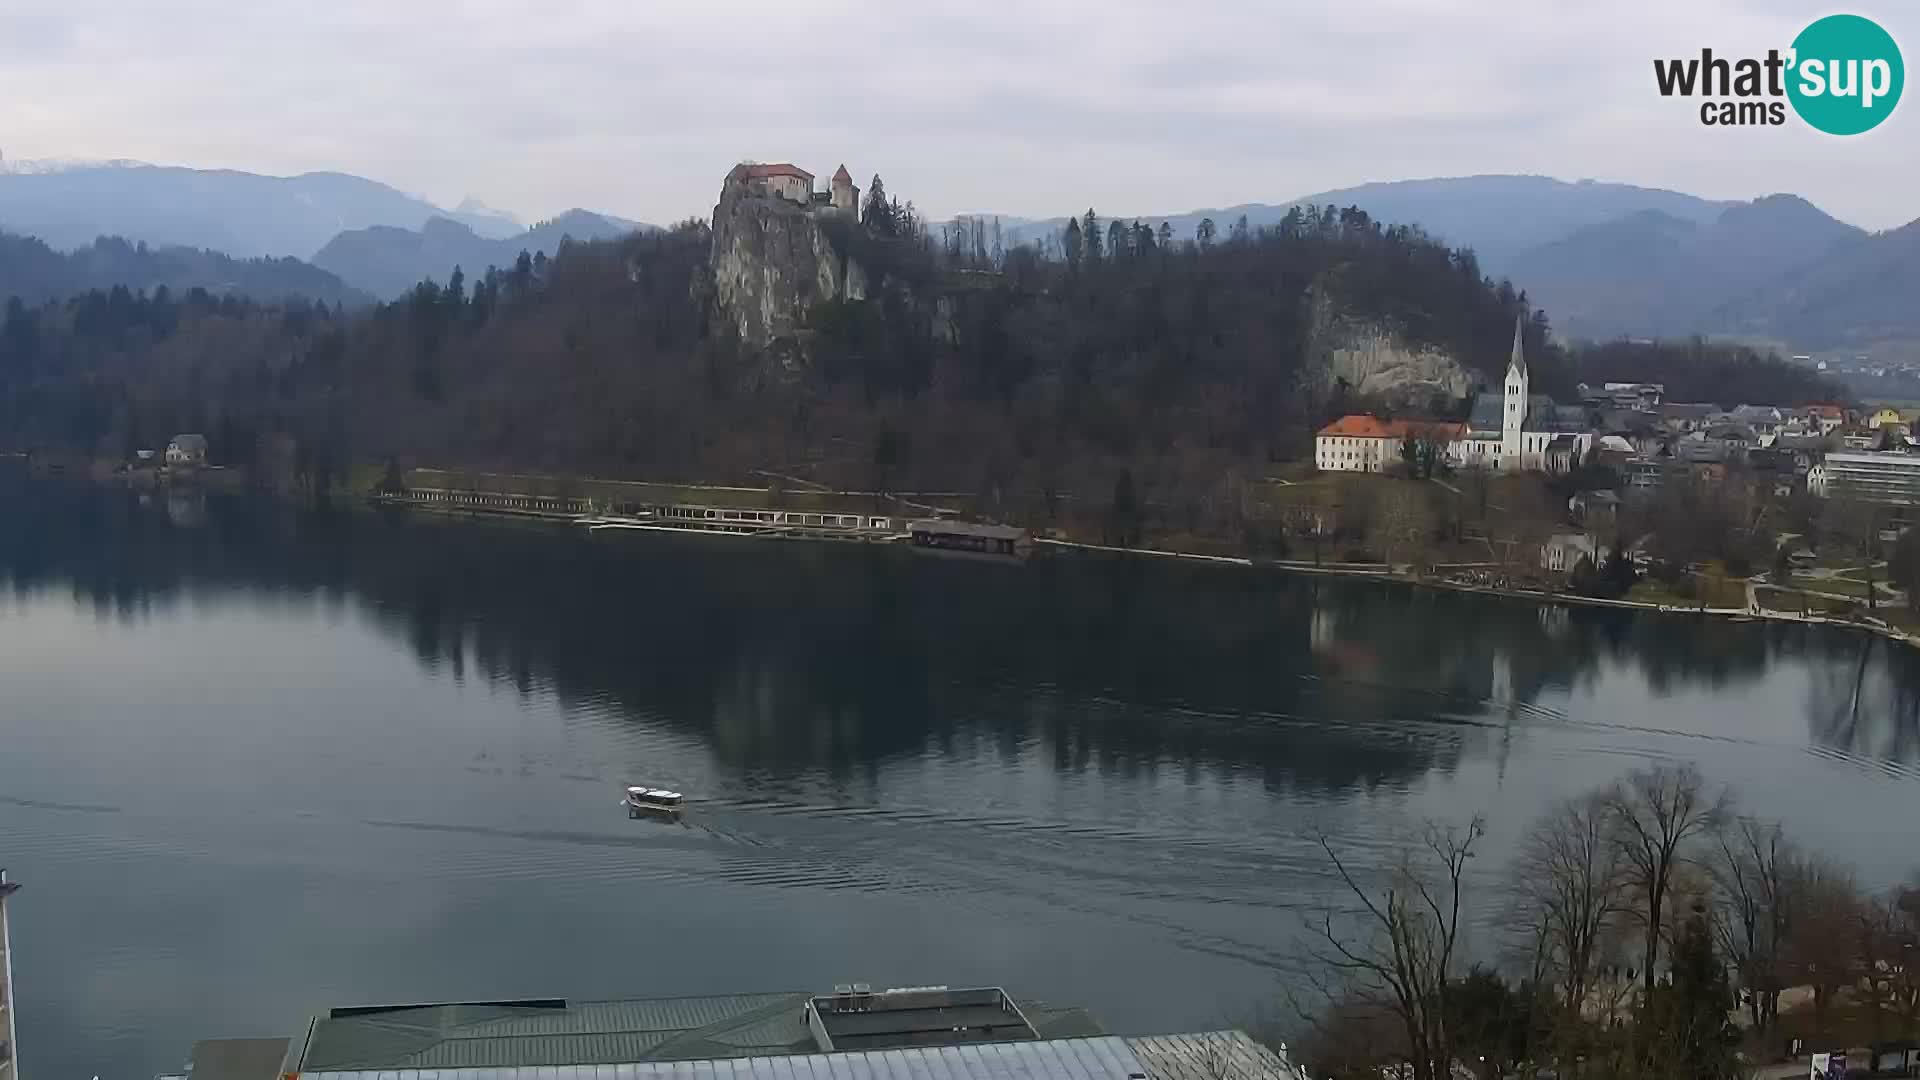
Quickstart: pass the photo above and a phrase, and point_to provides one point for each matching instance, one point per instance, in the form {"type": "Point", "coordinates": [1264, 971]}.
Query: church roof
{"type": "Point", "coordinates": [841, 174]}
{"type": "Point", "coordinates": [1486, 414]}
{"type": "Point", "coordinates": [1519, 359]}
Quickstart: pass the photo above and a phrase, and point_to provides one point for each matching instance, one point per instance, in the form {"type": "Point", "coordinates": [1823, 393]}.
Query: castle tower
{"type": "Point", "coordinates": [845, 195]}
{"type": "Point", "coordinates": [1513, 418]}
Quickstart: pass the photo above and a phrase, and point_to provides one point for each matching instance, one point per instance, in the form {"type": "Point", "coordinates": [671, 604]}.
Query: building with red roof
{"type": "Point", "coordinates": [788, 181]}
{"type": "Point", "coordinates": [1361, 443]}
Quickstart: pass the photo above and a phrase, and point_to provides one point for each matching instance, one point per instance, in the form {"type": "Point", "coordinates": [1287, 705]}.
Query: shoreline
{"type": "Point", "coordinates": [1381, 572]}
{"type": "Point", "coordinates": [1361, 571]}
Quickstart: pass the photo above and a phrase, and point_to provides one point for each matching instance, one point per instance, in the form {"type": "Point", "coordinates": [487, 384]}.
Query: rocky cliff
{"type": "Point", "coordinates": [772, 259]}
{"type": "Point", "coordinates": [1376, 361]}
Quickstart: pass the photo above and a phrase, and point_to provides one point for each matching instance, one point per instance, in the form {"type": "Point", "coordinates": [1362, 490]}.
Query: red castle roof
{"type": "Point", "coordinates": [754, 172]}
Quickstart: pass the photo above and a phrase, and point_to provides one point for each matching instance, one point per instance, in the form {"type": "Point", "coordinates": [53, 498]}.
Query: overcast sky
{"type": "Point", "coordinates": [1035, 108]}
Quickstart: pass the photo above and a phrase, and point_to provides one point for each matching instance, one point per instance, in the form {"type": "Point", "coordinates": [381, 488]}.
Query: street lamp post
{"type": "Point", "coordinates": [9, 1068]}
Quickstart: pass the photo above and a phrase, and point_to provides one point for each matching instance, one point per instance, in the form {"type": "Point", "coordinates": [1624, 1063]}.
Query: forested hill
{"type": "Point", "coordinates": [1185, 363]}
{"type": "Point", "coordinates": [34, 272]}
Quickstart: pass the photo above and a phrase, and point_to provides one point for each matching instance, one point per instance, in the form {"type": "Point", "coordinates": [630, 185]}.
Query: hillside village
{"type": "Point", "coordinates": [1617, 457]}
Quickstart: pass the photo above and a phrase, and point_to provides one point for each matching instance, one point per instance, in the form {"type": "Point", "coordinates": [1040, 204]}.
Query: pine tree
{"type": "Point", "coordinates": [1090, 235]}
{"type": "Point", "coordinates": [1690, 1012]}
{"type": "Point", "coordinates": [1205, 232]}
{"type": "Point", "coordinates": [455, 296]}
{"type": "Point", "coordinates": [1071, 243]}
{"type": "Point", "coordinates": [878, 215]}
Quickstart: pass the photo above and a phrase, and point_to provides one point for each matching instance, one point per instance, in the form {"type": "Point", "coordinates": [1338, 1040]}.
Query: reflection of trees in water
{"type": "Point", "coordinates": [793, 657]}
{"type": "Point", "coordinates": [1863, 697]}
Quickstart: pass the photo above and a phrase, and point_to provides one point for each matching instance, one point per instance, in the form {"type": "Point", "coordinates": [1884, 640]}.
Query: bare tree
{"type": "Point", "coordinates": [1752, 874]}
{"type": "Point", "coordinates": [1570, 887]}
{"type": "Point", "coordinates": [1655, 815]}
{"type": "Point", "coordinates": [1890, 959]}
{"type": "Point", "coordinates": [1402, 518]}
{"type": "Point", "coordinates": [1822, 952]}
{"type": "Point", "coordinates": [1392, 949]}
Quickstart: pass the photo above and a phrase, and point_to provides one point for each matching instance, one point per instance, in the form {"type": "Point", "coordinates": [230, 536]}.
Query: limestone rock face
{"type": "Point", "coordinates": [773, 258]}
{"type": "Point", "coordinates": [1376, 361]}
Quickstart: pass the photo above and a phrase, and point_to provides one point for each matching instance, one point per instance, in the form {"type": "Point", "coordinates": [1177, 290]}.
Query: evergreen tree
{"type": "Point", "coordinates": [1204, 233]}
{"type": "Point", "coordinates": [1685, 1030]}
{"type": "Point", "coordinates": [1090, 236]}
{"type": "Point", "coordinates": [1116, 239]}
{"type": "Point", "coordinates": [878, 214]}
{"type": "Point", "coordinates": [1166, 237]}
{"type": "Point", "coordinates": [1071, 244]}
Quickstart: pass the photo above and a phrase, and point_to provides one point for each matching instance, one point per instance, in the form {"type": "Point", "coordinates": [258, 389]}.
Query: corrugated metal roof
{"type": "Point", "coordinates": [1211, 1055]}
{"type": "Point", "coordinates": [578, 1033]}
{"type": "Point", "coordinates": [1103, 1058]}
{"type": "Point", "coordinates": [238, 1059]}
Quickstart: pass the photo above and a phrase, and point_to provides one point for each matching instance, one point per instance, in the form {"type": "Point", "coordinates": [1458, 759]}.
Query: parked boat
{"type": "Point", "coordinates": [658, 800]}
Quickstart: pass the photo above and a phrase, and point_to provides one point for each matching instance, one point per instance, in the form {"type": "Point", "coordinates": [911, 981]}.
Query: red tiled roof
{"type": "Point", "coordinates": [1358, 426]}
{"type": "Point", "coordinates": [1362, 426]}
{"type": "Point", "coordinates": [1833, 411]}
{"type": "Point", "coordinates": [842, 174]}
{"type": "Point", "coordinates": [781, 169]}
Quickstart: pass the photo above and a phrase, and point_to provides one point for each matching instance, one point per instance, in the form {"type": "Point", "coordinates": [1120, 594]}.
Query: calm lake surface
{"type": "Point", "coordinates": [258, 761]}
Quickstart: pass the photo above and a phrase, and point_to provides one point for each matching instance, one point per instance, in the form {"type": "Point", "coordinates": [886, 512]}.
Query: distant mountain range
{"type": "Point", "coordinates": [1604, 259]}
{"type": "Point", "coordinates": [34, 272]}
{"type": "Point", "coordinates": [1862, 294]}
{"type": "Point", "coordinates": [1609, 260]}
{"type": "Point", "coordinates": [1653, 274]}
{"type": "Point", "coordinates": [1498, 216]}
{"type": "Point", "coordinates": [242, 214]}
{"type": "Point", "coordinates": [387, 261]}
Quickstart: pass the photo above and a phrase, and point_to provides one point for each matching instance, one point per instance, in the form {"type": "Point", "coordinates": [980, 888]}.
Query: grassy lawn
{"type": "Point", "coordinates": [1779, 599]}
{"type": "Point", "coordinates": [1901, 617]}
{"type": "Point", "coordinates": [1653, 592]}
{"type": "Point", "coordinates": [1820, 605]}
{"type": "Point", "coordinates": [1708, 591]}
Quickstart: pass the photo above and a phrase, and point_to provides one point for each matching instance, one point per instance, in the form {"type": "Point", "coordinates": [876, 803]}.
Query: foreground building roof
{"type": "Point", "coordinates": [1181, 1057]}
{"type": "Point", "coordinates": [558, 1032]}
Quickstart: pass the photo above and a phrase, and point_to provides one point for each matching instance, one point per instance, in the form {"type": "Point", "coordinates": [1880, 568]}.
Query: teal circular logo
{"type": "Point", "coordinates": [1846, 75]}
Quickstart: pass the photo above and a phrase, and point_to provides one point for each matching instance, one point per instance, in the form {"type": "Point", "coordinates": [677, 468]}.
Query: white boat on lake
{"type": "Point", "coordinates": [655, 799]}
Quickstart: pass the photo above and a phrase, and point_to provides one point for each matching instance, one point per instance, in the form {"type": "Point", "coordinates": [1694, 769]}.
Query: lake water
{"type": "Point", "coordinates": [255, 762]}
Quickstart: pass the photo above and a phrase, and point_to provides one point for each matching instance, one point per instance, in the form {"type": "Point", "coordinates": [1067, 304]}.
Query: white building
{"type": "Point", "coordinates": [1871, 476]}
{"type": "Point", "coordinates": [1512, 432]}
{"type": "Point", "coordinates": [187, 450]}
{"type": "Point", "coordinates": [1354, 444]}
{"type": "Point", "coordinates": [1362, 443]}
{"type": "Point", "coordinates": [1561, 553]}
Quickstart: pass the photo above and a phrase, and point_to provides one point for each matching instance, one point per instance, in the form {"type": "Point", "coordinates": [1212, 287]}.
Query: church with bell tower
{"type": "Point", "coordinates": [1518, 430]}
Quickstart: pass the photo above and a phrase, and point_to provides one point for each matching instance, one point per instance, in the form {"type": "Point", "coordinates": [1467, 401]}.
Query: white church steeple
{"type": "Point", "coordinates": [1513, 417]}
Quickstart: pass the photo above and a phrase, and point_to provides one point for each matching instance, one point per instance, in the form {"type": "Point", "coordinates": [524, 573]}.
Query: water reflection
{"type": "Point", "coordinates": [787, 659]}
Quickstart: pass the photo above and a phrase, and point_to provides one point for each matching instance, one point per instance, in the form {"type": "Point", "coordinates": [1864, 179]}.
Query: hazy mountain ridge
{"type": "Point", "coordinates": [35, 272]}
{"type": "Point", "coordinates": [247, 215]}
{"type": "Point", "coordinates": [1652, 274]}
{"type": "Point", "coordinates": [1499, 216]}
{"type": "Point", "coordinates": [1861, 294]}
{"type": "Point", "coordinates": [387, 261]}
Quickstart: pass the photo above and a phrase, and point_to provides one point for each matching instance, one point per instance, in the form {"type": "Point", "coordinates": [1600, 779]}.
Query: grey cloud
{"type": "Point", "coordinates": [1031, 108]}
